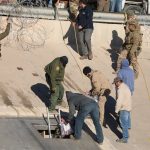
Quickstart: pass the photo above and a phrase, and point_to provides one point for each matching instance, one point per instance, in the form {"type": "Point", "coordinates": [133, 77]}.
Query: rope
{"type": "Point", "coordinates": [145, 82]}
{"type": "Point", "coordinates": [67, 46]}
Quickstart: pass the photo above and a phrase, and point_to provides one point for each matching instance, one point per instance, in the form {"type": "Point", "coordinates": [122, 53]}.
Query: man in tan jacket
{"type": "Point", "coordinates": [100, 87]}
{"type": "Point", "coordinates": [123, 108]}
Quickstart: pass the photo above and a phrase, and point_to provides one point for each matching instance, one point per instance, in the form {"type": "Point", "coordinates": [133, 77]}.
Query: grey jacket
{"type": "Point", "coordinates": [76, 101]}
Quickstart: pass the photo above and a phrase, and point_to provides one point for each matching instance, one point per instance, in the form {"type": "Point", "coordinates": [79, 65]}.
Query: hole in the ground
{"type": "Point", "coordinates": [55, 132]}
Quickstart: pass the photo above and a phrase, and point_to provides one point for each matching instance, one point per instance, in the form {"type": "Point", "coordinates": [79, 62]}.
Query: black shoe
{"type": "Point", "coordinates": [121, 141]}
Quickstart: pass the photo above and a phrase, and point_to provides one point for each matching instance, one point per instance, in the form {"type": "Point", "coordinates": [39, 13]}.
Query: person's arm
{"type": "Point", "coordinates": [54, 69]}
{"type": "Point", "coordinates": [96, 85]}
{"type": "Point", "coordinates": [81, 22]}
{"type": "Point", "coordinates": [119, 101]}
{"type": "Point", "coordinates": [89, 16]}
{"type": "Point", "coordinates": [6, 32]}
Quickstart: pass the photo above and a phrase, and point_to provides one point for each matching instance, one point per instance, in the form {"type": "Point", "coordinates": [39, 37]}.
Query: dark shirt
{"type": "Point", "coordinates": [76, 101]}
{"type": "Point", "coordinates": [85, 18]}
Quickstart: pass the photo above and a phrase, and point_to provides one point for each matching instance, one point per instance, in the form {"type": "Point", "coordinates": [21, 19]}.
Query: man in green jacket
{"type": "Point", "coordinates": [54, 76]}
{"type": "Point", "coordinates": [6, 32]}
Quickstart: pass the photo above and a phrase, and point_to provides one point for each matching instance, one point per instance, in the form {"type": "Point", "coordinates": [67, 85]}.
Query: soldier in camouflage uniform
{"type": "Point", "coordinates": [6, 32]}
{"type": "Point", "coordinates": [54, 76]}
{"type": "Point", "coordinates": [130, 47]}
{"type": "Point", "coordinates": [73, 9]}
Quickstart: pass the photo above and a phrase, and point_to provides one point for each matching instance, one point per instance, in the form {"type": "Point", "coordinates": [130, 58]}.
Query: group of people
{"type": "Point", "coordinates": [131, 47]}
{"type": "Point", "coordinates": [93, 102]}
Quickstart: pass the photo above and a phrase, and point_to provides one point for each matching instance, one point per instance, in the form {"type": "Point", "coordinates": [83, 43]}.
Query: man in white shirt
{"type": "Point", "coordinates": [123, 108]}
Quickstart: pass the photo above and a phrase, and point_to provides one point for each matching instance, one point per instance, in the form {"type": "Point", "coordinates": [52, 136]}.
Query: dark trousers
{"type": "Point", "coordinates": [58, 95]}
{"type": "Point", "coordinates": [92, 109]}
{"type": "Point", "coordinates": [85, 41]}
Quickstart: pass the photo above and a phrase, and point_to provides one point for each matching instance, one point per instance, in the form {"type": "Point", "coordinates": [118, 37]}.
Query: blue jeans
{"type": "Point", "coordinates": [92, 109]}
{"type": "Point", "coordinates": [116, 6]}
{"type": "Point", "coordinates": [125, 122]}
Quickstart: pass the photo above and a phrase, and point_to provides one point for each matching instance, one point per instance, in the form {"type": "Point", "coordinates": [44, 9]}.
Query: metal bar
{"type": "Point", "coordinates": [49, 125]}
{"type": "Point", "coordinates": [49, 13]}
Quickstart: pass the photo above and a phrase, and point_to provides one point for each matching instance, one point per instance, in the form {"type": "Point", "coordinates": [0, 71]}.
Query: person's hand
{"type": "Point", "coordinates": [73, 24]}
{"type": "Point", "coordinates": [79, 27]}
{"type": "Point", "coordinates": [9, 20]}
{"type": "Point", "coordinates": [53, 90]}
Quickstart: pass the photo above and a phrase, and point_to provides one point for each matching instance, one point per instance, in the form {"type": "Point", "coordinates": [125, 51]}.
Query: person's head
{"type": "Point", "coordinates": [87, 71]}
{"type": "Point", "coordinates": [64, 60]}
{"type": "Point", "coordinates": [82, 3]}
{"type": "Point", "coordinates": [124, 63]}
{"type": "Point", "coordinates": [130, 14]}
{"type": "Point", "coordinates": [117, 81]}
{"type": "Point", "coordinates": [132, 26]}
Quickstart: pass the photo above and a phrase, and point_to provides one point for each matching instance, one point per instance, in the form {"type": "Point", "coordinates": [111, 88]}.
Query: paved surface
{"type": "Point", "coordinates": [24, 93]}
{"type": "Point", "coordinates": [20, 134]}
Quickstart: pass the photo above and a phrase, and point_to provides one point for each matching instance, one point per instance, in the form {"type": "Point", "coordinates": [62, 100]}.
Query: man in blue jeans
{"type": "Point", "coordinates": [115, 5]}
{"type": "Point", "coordinates": [85, 106]}
{"type": "Point", "coordinates": [123, 108]}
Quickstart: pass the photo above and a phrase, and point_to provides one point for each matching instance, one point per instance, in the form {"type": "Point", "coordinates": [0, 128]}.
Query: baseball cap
{"type": "Point", "coordinates": [117, 79]}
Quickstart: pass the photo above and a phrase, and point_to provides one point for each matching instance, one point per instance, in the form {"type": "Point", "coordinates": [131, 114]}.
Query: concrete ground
{"type": "Point", "coordinates": [24, 92]}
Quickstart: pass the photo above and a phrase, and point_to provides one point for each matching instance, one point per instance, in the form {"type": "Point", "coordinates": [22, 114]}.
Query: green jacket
{"type": "Point", "coordinates": [6, 32]}
{"type": "Point", "coordinates": [56, 71]}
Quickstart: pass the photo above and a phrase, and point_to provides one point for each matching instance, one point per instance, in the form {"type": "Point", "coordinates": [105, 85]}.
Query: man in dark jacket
{"type": "Point", "coordinates": [127, 75]}
{"type": "Point", "coordinates": [85, 27]}
{"type": "Point", "coordinates": [85, 106]}
{"type": "Point", "coordinates": [54, 76]}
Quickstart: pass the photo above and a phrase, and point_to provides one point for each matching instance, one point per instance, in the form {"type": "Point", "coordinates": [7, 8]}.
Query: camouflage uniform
{"type": "Point", "coordinates": [130, 49]}
{"type": "Point", "coordinates": [4, 34]}
{"type": "Point", "coordinates": [73, 9]}
{"type": "Point", "coordinates": [100, 87]}
{"type": "Point", "coordinates": [103, 5]}
{"type": "Point", "coordinates": [54, 76]}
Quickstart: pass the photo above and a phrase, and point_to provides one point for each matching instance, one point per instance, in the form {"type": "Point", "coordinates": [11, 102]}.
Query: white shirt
{"type": "Point", "coordinates": [124, 101]}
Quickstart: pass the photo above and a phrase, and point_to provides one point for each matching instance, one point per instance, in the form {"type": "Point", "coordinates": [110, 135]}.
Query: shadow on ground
{"type": "Point", "coordinates": [111, 118]}
{"type": "Point", "coordinates": [73, 41]}
{"type": "Point", "coordinates": [42, 91]}
{"type": "Point", "coordinates": [116, 44]}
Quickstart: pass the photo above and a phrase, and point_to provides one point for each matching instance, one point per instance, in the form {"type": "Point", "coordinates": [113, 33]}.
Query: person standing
{"type": "Point", "coordinates": [127, 75]}
{"type": "Point", "coordinates": [55, 71]}
{"type": "Point", "coordinates": [84, 23]}
{"type": "Point", "coordinates": [100, 87]}
{"type": "Point", "coordinates": [123, 108]}
{"type": "Point", "coordinates": [73, 10]}
{"type": "Point", "coordinates": [85, 106]}
{"type": "Point", "coordinates": [103, 5]}
{"type": "Point", "coordinates": [130, 48]}
{"type": "Point", "coordinates": [6, 32]}
{"type": "Point", "coordinates": [115, 5]}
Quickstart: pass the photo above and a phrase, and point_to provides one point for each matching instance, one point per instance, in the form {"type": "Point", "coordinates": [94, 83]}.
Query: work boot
{"type": "Point", "coordinates": [90, 56]}
{"type": "Point", "coordinates": [121, 140]}
{"type": "Point", "coordinates": [84, 57]}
